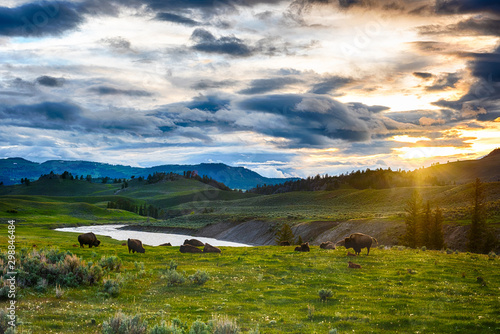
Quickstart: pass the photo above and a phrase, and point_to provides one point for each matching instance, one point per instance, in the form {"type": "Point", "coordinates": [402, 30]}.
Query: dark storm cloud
{"type": "Point", "coordinates": [444, 81]}
{"type": "Point", "coordinates": [230, 45]}
{"type": "Point", "coordinates": [314, 120]}
{"type": "Point", "coordinates": [477, 26]}
{"type": "Point", "coordinates": [210, 103]}
{"type": "Point", "coordinates": [330, 84]}
{"type": "Point", "coordinates": [211, 84]}
{"type": "Point", "coordinates": [482, 101]}
{"type": "Point", "coordinates": [49, 81]}
{"type": "Point", "coordinates": [174, 18]}
{"type": "Point", "coordinates": [423, 75]}
{"type": "Point", "coordinates": [260, 86]}
{"type": "Point", "coordinates": [467, 6]}
{"type": "Point", "coordinates": [46, 115]}
{"type": "Point", "coordinates": [107, 90]}
{"type": "Point", "coordinates": [39, 19]}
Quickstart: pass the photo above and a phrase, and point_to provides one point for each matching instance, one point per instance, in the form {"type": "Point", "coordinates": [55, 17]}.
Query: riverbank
{"type": "Point", "coordinates": [388, 232]}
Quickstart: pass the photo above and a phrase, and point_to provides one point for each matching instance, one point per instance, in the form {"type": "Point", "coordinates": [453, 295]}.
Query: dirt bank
{"type": "Point", "coordinates": [387, 232]}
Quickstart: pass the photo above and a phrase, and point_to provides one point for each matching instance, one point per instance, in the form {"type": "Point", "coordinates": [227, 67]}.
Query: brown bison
{"type": "Point", "coordinates": [211, 249]}
{"type": "Point", "coordinates": [166, 244]}
{"type": "Point", "coordinates": [194, 242]}
{"type": "Point", "coordinates": [88, 239]}
{"type": "Point", "coordinates": [135, 245]}
{"type": "Point", "coordinates": [327, 245]}
{"type": "Point", "coordinates": [187, 248]}
{"type": "Point", "coordinates": [357, 241]}
{"type": "Point", "coordinates": [354, 265]}
{"type": "Point", "coordinates": [284, 243]}
{"type": "Point", "coordinates": [303, 248]}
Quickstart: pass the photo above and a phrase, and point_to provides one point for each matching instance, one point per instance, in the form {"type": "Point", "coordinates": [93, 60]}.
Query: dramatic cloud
{"type": "Point", "coordinates": [39, 19]}
{"type": "Point", "coordinates": [174, 18]}
{"type": "Point", "coordinates": [260, 86]}
{"type": "Point", "coordinates": [49, 81]}
{"type": "Point", "coordinates": [107, 90]}
{"type": "Point", "coordinates": [444, 81]}
{"type": "Point", "coordinates": [230, 45]}
{"type": "Point", "coordinates": [330, 84]}
{"type": "Point", "coordinates": [475, 26]}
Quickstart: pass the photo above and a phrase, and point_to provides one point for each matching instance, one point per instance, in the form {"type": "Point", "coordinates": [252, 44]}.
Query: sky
{"type": "Point", "coordinates": [285, 88]}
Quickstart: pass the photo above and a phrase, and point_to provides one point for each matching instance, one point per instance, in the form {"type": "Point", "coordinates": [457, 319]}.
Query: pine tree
{"type": "Point", "coordinates": [477, 232]}
{"type": "Point", "coordinates": [436, 237]}
{"type": "Point", "coordinates": [424, 232]}
{"type": "Point", "coordinates": [285, 234]}
{"type": "Point", "coordinates": [413, 216]}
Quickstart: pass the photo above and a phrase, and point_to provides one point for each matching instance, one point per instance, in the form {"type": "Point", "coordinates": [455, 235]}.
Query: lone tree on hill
{"type": "Point", "coordinates": [285, 235]}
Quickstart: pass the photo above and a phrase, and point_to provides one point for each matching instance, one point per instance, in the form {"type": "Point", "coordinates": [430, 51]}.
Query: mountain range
{"type": "Point", "coordinates": [12, 170]}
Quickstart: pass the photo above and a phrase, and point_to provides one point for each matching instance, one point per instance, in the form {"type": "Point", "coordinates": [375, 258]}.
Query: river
{"type": "Point", "coordinates": [147, 238]}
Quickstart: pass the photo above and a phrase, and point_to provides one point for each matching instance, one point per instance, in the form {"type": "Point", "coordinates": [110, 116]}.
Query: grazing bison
{"type": "Point", "coordinates": [303, 248]}
{"type": "Point", "coordinates": [166, 244]}
{"type": "Point", "coordinates": [194, 242]}
{"type": "Point", "coordinates": [88, 239]}
{"type": "Point", "coordinates": [135, 245]}
{"type": "Point", "coordinates": [211, 249]}
{"type": "Point", "coordinates": [357, 241]}
{"type": "Point", "coordinates": [353, 265]}
{"type": "Point", "coordinates": [327, 245]}
{"type": "Point", "coordinates": [189, 249]}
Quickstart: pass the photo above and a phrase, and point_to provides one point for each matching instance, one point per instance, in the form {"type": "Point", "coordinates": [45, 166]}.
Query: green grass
{"type": "Point", "coordinates": [277, 289]}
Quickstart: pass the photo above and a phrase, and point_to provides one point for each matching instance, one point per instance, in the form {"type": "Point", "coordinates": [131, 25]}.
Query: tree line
{"type": "Point", "coordinates": [424, 226]}
{"type": "Point", "coordinates": [375, 179]}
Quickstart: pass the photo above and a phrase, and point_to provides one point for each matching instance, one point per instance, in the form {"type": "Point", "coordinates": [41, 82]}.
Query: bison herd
{"type": "Point", "coordinates": [135, 245]}
{"type": "Point", "coordinates": [356, 241]}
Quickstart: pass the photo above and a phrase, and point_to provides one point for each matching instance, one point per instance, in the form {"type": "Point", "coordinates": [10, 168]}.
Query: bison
{"type": "Point", "coordinates": [211, 249]}
{"type": "Point", "coordinates": [187, 248]}
{"type": "Point", "coordinates": [284, 243]}
{"type": "Point", "coordinates": [327, 245]}
{"type": "Point", "coordinates": [194, 242]}
{"type": "Point", "coordinates": [88, 239]}
{"type": "Point", "coordinates": [135, 245]}
{"type": "Point", "coordinates": [357, 241]}
{"type": "Point", "coordinates": [166, 244]}
{"type": "Point", "coordinates": [353, 265]}
{"type": "Point", "coordinates": [303, 247]}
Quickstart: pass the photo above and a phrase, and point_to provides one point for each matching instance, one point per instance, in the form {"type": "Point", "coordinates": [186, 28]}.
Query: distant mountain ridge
{"type": "Point", "coordinates": [12, 170]}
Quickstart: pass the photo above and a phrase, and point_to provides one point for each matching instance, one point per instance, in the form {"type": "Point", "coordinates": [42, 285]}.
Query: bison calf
{"type": "Point", "coordinates": [353, 265]}
{"type": "Point", "coordinates": [303, 248]}
{"type": "Point", "coordinates": [88, 239]}
{"type": "Point", "coordinates": [327, 245]}
{"type": "Point", "coordinates": [135, 245]}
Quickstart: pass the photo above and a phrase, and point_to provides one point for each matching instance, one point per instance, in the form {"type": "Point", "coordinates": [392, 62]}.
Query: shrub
{"type": "Point", "coordinates": [163, 328]}
{"type": "Point", "coordinates": [224, 326]}
{"type": "Point", "coordinates": [199, 327]}
{"type": "Point", "coordinates": [59, 291]}
{"type": "Point", "coordinates": [54, 267]}
{"type": "Point", "coordinates": [121, 324]}
{"type": "Point", "coordinates": [492, 255]}
{"type": "Point", "coordinates": [112, 287]}
{"type": "Point", "coordinates": [423, 248]}
{"type": "Point", "coordinates": [449, 251]}
{"type": "Point", "coordinates": [324, 294]}
{"type": "Point", "coordinates": [174, 278]}
{"type": "Point", "coordinates": [172, 265]}
{"type": "Point", "coordinates": [333, 331]}
{"type": "Point", "coordinates": [4, 321]}
{"type": "Point", "coordinates": [111, 263]}
{"type": "Point", "coordinates": [200, 277]}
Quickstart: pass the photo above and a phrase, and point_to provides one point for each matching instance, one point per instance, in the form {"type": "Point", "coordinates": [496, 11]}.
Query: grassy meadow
{"type": "Point", "coordinates": [396, 290]}
{"type": "Point", "coordinates": [274, 289]}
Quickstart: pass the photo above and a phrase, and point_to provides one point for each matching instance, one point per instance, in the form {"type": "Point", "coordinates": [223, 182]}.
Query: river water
{"type": "Point", "coordinates": [147, 238]}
